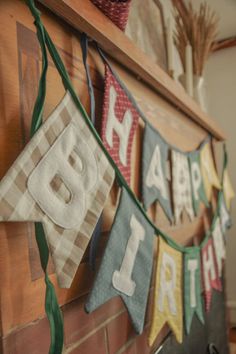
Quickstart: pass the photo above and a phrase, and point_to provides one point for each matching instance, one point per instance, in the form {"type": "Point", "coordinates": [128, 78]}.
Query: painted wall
{"type": "Point", "coordinates": [220, 76]}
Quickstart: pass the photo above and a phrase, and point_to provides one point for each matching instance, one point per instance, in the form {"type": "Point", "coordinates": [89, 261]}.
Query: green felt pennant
{"type": "Point", "coordinates": [198, 191]}
{"type": "Point", "coordinates": [154, 174]}
{"type": "Point", "coordinates": [192, 289]}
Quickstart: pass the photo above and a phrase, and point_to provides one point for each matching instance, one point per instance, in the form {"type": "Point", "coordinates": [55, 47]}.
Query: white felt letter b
{"type": "Point", "coordinates": [71, 161]}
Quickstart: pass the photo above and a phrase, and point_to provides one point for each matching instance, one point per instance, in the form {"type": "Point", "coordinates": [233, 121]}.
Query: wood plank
{"type": "Point", "coordinates": [85, 17]}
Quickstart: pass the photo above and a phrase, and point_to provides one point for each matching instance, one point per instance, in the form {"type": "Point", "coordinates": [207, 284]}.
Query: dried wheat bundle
{"type": "Point", "coordinates": [197, 28]}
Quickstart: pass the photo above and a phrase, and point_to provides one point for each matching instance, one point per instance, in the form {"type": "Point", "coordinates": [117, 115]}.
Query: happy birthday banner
{"type": "Point", "coordinates": [76, 168]}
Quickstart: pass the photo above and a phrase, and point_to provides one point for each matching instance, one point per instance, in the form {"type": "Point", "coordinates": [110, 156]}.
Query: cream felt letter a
{"type": "Point", "coordinates": [155, 176]}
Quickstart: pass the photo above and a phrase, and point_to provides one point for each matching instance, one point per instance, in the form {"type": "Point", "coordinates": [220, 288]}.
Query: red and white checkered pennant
{"type": "Point", "coordinates": [119, 123]}
{"type": "Point", "coordinates": [210, 273]}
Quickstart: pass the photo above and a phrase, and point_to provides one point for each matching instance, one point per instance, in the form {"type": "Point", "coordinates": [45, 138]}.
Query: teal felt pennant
{"type": "Point", "coordinates": [127, 263]}
{"type": "Point", "coordinates": [225, 219]}
{"type": "Point", "coordinates": [198, 191]}
{"type": "Point", "coordinates": [154, 171]}
{"type": "Point", "coordinates": [192, 289]}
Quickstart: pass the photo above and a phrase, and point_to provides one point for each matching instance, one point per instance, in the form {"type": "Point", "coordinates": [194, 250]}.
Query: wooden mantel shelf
{"type": "Point", "coordinates": [85, 17]}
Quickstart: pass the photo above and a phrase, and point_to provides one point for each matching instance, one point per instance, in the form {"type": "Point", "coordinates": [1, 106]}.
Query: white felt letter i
{"type": "Point", "coordinates": [121, 279]}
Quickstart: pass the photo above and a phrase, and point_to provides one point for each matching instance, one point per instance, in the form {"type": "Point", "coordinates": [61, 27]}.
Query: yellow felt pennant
{"type": "Point", "coordinates": [168, 293]}
{"type": "Point", "coordinates": [209, 174]}
{"type": "Point", "coordinates": [227, 189]}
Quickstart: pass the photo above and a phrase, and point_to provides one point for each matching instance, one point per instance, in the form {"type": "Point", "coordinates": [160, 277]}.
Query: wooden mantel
{"type": "Point", "coordinates": [83, 16]}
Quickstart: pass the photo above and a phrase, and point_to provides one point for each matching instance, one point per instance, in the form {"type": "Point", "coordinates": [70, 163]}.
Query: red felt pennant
{"type": "Point", "coordinates": [210, 275]}
{"type": "Point", "coordinates": [119, 122]}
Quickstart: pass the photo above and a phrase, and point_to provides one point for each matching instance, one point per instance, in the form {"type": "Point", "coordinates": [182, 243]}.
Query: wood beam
{"type": "Point", "coordinates": [85, 17]}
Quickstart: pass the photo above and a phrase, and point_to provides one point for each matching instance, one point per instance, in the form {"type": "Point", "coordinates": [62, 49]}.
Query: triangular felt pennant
{"type": "Point", "coordinates": [209, 273]}
{"type": "Point", "coordinates": [154, 174]}
{"type": "Point", "coordinates": [181, 184]}
{"type": "Point", "coordinates": [62, 179]}
{"type": "Point", "coordinates": [219, 246]}
{"type": "Point", "coordinates": [192, 288]}
{"type": "Point", "coordinates": [126, 266]}
{"type": "Point", "coordinates": [225, 219]}
{"type": "Point", "coordinates": [209, 174]}
{"type": "Point", "coordinates": [168, 306]}
{"type": "Point", "coordinates": [119, 123]}
{"type": "Point", "coordinates": [198, 191]}
{"type": "Point", "coordinates": [227, 189]}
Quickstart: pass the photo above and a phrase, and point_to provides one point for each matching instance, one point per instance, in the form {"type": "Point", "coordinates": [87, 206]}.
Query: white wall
{"type": "Point", "coordinates": [220, 76]}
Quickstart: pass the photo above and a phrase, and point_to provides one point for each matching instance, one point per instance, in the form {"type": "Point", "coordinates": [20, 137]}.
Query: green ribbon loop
{"type": "Point", "coordinates": [51, 304]}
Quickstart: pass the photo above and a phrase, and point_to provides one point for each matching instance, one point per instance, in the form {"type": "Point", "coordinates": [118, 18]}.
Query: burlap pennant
{"type": "Point", "coordinates": [168, 293]}
{"type": "Point", "coordinates": [198, 191]}
{"type": "Point", "coordinates": [209, 272]}
{"type": "Point", "coordinates": [181, 184]}
{"type": "Point", "coordinates": [62, 179]}
{"type": "Point", "coordinates": [219, 246]}
{"type": "Point", "coordinates": [209, 174]}
{"type": "Point", "coordinates": [227, 189]}
{"type": "Point", "coordinates": [119, 123]}
{"type": "Point", "coordinates": [192, 289]}
{"type": "Point", "coordinates": [126, 266]}
{"type": "Point", "coordinates": [154, 175]}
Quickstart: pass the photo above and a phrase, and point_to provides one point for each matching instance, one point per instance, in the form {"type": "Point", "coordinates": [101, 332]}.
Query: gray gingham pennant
{"type": "Point", "coordinates": [62, 179]}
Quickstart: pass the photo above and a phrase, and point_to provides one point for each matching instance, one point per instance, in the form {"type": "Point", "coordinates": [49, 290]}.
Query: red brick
{"type": "Point", "coordinates": [78, 323]}
{"type": "Point", "coordinates": [131, 349]}
{"type": "Point", "coordinates": [33, 339]}
{"type": "Point", "coordinates": [94, 344]}
{"type": "Point", "coordinates": [119, 332]}
{"type": "Point", "coordinates": [142, 346]}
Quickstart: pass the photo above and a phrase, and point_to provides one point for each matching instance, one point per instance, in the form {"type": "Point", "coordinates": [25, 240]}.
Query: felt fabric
{"type": "Point", "coordinates": [126, 266]}
{"type": "Point", "coordinates": [154, 172]}
{"type": "Point", "coordinates": [75, 178]}
{"type": "Point", "coordinates": [181, 184]}
{"type": "Point", "coordinates": [214, 330]}
{"type": "Point", "coordinates": [192, 289]}
{"type": "Point", "coordinates": [198, 191]}
{"type": "Point", "coordinates": [219, 246]}
{"type": "Point", "coordinates": [210, 274]}
{"type": "Point", "coordinates": [209, 174]}
{"type": "Point", "coordinates": [225, 219]}
{"type": "Point", "coordinates": [167, 293]}
{"type": "Point", "coordinates": [227, 189]}
{"type": "Point", "coordinates": [119, 123]}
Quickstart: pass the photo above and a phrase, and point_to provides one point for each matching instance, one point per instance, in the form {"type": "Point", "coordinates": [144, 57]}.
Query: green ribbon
{"type": "Point", "coordinates": [51, 304]}
{"type": "Point", "coordinates": [122, 182]}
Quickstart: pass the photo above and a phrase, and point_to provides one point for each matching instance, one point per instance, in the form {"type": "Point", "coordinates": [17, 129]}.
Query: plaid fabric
{"type": "Point", "coordinates": [121, 106]}
{"type": "Point", "coordinates": [67, 246]}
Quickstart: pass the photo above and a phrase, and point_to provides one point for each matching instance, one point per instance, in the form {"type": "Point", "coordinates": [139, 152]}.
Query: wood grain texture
{"type": "Point", "coordinates": [22, 298]}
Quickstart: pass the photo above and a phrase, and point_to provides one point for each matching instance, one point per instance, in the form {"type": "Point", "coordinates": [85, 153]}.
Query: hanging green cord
{"type": "Point", "coordinates": [122, 182]}
{"type": "Point", "coordinates": [51, 305]}
{"type": "Point", "coordinates": [68, 85]}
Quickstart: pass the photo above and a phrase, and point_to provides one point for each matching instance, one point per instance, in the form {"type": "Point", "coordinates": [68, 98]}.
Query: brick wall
{"type": "Point", "coordinates": [106, 331]}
